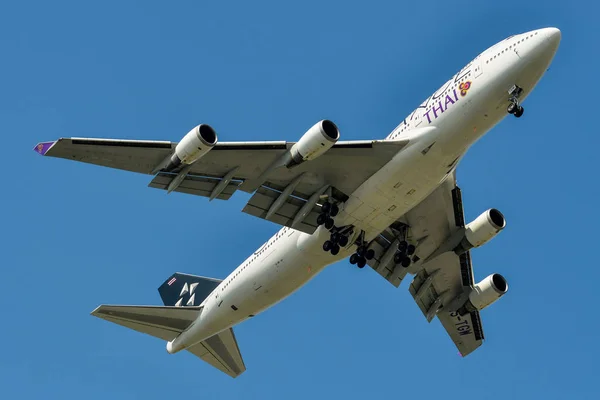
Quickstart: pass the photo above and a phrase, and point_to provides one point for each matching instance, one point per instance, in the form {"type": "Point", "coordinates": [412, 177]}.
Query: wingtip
{"type": "Point", "coordinates": [43, 147]}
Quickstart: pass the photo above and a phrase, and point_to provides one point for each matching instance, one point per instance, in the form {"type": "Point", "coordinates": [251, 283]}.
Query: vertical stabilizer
{"type": "Point", "coordinates": [182, 290]}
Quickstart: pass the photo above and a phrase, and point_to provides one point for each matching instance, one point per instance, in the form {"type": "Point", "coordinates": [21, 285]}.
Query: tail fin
{"type": "Point", "coordinates": [186, 290]}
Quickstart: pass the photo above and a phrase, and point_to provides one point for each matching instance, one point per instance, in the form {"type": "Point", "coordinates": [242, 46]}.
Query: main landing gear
{"type": "Point", "coordinates": [328, 210]}
{"type": "Point", "coordinates": [363, 253]}
{"type": "Point", "coordinates": [404, 253]}
{"type": "Point", "coordinates": [339, 236]}
{"type": "Point", "coordinates": [515, 107]}
{"type": "Point", "coordinates": [337, 240]}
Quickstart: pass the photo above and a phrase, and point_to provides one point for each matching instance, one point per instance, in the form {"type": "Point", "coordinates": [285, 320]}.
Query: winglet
{"type": "Point", "coordinates": [42, 148]}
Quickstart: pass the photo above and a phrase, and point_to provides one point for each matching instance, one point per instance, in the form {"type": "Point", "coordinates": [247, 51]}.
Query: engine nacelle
{"type": "Point", "coordinates": [485, 293]}
{"type": "Point", "coordinates": [314, 143]}
{"type": "Point", "coordinates": [482, 230]}
{"type": "Point", "coordinates": [193, 146]}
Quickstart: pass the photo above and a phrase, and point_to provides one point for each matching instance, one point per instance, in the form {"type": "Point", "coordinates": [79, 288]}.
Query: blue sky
{"type": "Point", "coordinates": [74, 236]}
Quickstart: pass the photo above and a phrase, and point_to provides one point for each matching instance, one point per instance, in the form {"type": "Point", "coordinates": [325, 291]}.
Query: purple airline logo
{"type": "Point", "coordinates": [42, 148]}
{"type": "Point", "coordinates": [443, 104]}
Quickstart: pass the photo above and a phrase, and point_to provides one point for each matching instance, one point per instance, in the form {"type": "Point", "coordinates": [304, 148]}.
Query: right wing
{"type": "Point", "coordinates": [246, 166]}
{"type": "Point", "coordinates": [442, 279]}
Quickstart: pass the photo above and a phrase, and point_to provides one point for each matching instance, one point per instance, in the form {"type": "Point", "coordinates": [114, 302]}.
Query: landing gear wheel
{"type": "Point", "coordinates": [398, 257]}
{"type": "Point", "coordinates": [326, 207]}
{"type": "Point", "coordinates": [334, 210]}
{"type": "Point", "coordinates": [406, 262]}
{"type": "Point", "coordinates": [335, 237]}
{"type": "Point", "coordinates": [360, 251]}
{"type": "Point", "coordinates": [361, 263]}
{"type": "Point", "coordinates": [343, 241]}
{"type": "Point", "coordinates": [410, 250]}
{"type": "Point", "coordinates": [519, 112]}
{"type": "Point", "coordinates": [329, 223]}
{"type": "Point", "coordinates": [321, 219]}
{"type": "Point", "coordinates": [369, 254]}
{"type": "Point", "coordinates": [327, 245]}
{"type": "Point", "coordinates": [335, 249]}
{"type": "Point", "coordinates": [354, 258]}
{"type": "Point", "coordinates": [512, 108]}
{"type": "Point", "coordinates": [402, 246]}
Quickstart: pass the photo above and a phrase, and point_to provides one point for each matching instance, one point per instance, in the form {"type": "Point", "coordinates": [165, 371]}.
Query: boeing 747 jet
{"type": "Point", "coordinates": [392, 204]}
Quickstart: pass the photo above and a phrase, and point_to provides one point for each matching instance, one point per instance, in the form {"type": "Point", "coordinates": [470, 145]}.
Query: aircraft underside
{"type": "Point", "coordinates": [392, 204]}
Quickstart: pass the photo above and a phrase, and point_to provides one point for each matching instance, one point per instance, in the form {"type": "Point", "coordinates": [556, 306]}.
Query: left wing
{"type": "Point", "coordinates": [280, 192]}
{"type": "Point", "coordinates": [442, 279]}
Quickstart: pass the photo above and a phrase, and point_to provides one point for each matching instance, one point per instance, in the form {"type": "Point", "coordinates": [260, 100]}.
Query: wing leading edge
{"type": "Point", "coordinates": [280, 193]}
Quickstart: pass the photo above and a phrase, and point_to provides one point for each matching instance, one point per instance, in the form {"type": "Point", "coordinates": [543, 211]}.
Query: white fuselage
{"type": "Point", "coordinates": [440, 131]}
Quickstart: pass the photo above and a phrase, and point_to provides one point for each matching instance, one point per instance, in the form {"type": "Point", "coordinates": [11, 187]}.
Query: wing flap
{"type": "Point", "coordinates": [391, 272]}
{"type": "Point", "coordinates": [195, 185]}
{"type": "Point", "coordinates": [264, 197]}
{"type": "Point", "coordinates": [158, 321]}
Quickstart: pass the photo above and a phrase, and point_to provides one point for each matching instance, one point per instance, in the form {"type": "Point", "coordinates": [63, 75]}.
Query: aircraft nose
{"type": "Point", "coordinates": [546, 46]}
{"type": "Point", "coordinates": [553, 36]}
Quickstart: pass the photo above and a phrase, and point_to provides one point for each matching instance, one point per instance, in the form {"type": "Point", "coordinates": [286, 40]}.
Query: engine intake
{"type": "Point", "coordinates": [486, 292]}
{"type": "Point", "coordinates": [483, 229]}
{"type": "Point", "coordinates": [314, 143]}
{"type": "Point", "coordinates": [193, 146]}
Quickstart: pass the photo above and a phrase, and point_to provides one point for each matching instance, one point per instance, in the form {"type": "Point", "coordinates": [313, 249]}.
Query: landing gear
{"type": "Point", "coordinates": [331, 246]}
{"type": "Point", "coordinates": [328, 210]}
{"type": "Point", "coordinates": [321, 219]}
{"type": "Point", "coordinates": [363, 253]}
{"type": "Point", "coordinates": [338, 239]}
{"type": "Point", "coordinates": [404, 253]}
{"type": "Point", "coordinates": [329, 223]}
{"type": "Point", "coordinates": [358, 260]}
{"type": "Point", "coordinates": [515, 107]}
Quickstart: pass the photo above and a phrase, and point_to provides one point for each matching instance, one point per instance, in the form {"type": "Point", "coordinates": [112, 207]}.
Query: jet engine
{"type": "Point", "coordinates": [482, 230]}
{"type": "Point", "coordinates": [193, 146]}
{"type": "Point", "coordinates": [314, 143]}
{"type": "Point", "coordinates": [485, 293]}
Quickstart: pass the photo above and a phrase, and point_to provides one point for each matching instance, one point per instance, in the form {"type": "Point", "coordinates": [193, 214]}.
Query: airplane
{"type": "Point", "coordinates": [393, 204]}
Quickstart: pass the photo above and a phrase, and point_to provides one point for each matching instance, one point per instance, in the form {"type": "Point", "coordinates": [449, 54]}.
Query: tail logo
{"type": "Point", "coordinates": [185, 290]}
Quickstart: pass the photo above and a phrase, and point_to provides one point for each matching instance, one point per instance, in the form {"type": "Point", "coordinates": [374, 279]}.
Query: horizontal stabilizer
{"type": "Point", "coordinates": [161, 322]}
{"type": "Point", "coordinates": [166, 323]}
{"type": "Point", "coordinates": [222, 352]}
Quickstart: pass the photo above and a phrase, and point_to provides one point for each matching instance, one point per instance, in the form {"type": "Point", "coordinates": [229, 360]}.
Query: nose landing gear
{"type": "Point", "coordinates": [515, 107]}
